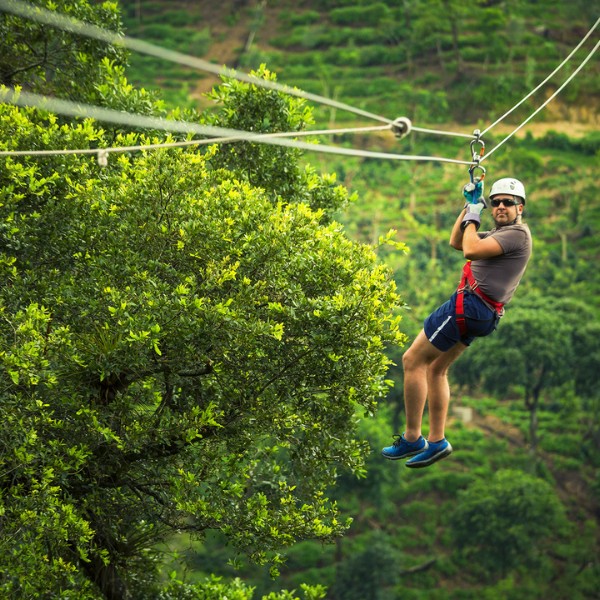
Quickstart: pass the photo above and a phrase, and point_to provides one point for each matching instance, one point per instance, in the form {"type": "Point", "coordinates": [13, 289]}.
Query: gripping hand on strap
{"type": "Point", "coordinates": [473, 193]}
{"type": "Point", "coordinates": [473, 214]}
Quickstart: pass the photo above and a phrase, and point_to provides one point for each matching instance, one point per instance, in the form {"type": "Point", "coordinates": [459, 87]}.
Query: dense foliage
{"type": "Point", "coordinates": [190, 340]}
{"type": "Point", "coordinates": [181, 350]}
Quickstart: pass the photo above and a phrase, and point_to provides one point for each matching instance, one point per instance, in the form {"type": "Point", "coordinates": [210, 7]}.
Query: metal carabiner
{"type": "Point", "coordinates": [477, 155]}
{"type": "Point", "coordinates": [472, 170]}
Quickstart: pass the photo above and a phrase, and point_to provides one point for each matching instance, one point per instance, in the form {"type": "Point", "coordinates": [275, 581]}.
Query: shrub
{"type": "Point", "coordinates": [371, 14]}
{"type": "Point", "coordinates": [304, 18]}
{"type": "Point", "coordinates": [199, 42]}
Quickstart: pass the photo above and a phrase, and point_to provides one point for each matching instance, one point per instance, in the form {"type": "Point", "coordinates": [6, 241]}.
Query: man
{"type": "Point", "coordinates": [496, 260]}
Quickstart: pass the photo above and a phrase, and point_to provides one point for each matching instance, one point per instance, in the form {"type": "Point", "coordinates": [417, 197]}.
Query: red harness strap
{"type": "Point", "coordinates": [467, 277]}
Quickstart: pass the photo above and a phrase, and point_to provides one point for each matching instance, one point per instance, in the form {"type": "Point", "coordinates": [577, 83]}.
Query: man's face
{"type": "Point", "coordinates": [505, 209]}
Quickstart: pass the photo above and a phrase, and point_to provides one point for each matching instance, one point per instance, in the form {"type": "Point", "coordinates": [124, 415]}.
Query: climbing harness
{"type": "Point", "coordinates": [468, 278]}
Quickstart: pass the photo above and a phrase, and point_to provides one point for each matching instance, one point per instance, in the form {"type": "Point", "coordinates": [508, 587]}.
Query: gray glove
{"type": "Point", "coordinates": [473, 214]}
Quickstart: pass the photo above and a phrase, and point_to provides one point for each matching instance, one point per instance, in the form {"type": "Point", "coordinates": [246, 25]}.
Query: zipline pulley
{"type": "Point", "coordinates": [401, 127]}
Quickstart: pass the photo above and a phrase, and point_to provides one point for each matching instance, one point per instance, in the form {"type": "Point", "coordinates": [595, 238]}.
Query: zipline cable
{"type": "Point", "coordinates": [55, 19]}
{"type": "Point", "coordinates": [72, 109]}
{"type": "Point", "coordinates": [440, 132]}
{"type": "Point", "coordinates": [545, 80]}
{"type": "Point", "coordinates": [221, 140]}
{"type": "Point", "coordinates": [583, 63]}
{"type": "Point", "coordinates": [47, 17]}
{"type": "Point", "coordinates": [61, 21]}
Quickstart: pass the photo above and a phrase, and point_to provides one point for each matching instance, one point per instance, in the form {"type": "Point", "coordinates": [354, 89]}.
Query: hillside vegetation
{"type": "Point", "coordinates": [180, 372]}
{"type": "Point", "coordinates": [438, 60]}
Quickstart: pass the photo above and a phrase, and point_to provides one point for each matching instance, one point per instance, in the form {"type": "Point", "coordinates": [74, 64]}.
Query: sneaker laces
{"type": "Point", "coordinates": [399, 440]}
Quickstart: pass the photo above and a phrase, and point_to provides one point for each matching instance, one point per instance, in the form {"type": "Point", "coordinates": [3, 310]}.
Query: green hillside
{"type": "Point", "coordinates": [429, 60]}
{"type": "Point", "coordinates": [172, 398]}
{"type": "Point", "coordinates": [457, 67]}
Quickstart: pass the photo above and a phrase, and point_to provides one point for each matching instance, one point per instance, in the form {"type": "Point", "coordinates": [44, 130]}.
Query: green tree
{"type": "Point", "coordinates": [181, 351]}
{"type": "Point", "coordinates": [532, 348]}
{"type": "Point", "coordinates": [234, 590]}
{"type": "Point", "coordinates": [49, 60]}
{"type": "Point", "coordinates": [276, 169]}
{"type": "Point", "coordinates": [366, 574]}
{"type": "Point", "coordinates": [506, 523]}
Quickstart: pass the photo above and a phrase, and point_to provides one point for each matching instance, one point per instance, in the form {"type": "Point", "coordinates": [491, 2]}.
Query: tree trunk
{"type": "Point", "coordinates": [533, 426]}
{"type": "Point", "coordinates": [107, 578]}
{"type": "Point", "coordinates": [450, 13]}
{"type": "Point", "coordinates": [418, 568]}
{"type": "Point", "coordinates": [532, 401]}
{"type": "Point", "coordinates": [564, 245]}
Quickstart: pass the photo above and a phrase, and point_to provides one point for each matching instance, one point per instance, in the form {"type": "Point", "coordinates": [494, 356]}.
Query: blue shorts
{"type": "Point", "coordinates": [442, 330]}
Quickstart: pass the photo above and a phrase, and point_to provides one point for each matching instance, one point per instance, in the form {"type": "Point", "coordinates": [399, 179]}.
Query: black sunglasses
{"type": "Point", "coordinates": [505, 201]}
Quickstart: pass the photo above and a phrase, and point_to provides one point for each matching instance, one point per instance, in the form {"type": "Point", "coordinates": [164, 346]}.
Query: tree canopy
{"type": "Point", "coordinates": [49, 60]}
{"type": "Point", "coordinates": [501, 523]}
{"type": "Point", "coordinates": [182, 350]}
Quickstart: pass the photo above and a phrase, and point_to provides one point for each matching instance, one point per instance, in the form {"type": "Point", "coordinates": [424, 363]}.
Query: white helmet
{"type": "Point", "coordinates": [508, 185]}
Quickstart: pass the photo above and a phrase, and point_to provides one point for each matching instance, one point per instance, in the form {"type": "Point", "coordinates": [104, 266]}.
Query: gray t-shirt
{"type": "Point", "coordinates": [499, 276]}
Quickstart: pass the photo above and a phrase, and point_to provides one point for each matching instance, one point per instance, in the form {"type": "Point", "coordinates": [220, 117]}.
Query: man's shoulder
{"type": "Point", "coordinates": [510, 230]}
{"type": "Point", "coordinates": [512, 238]}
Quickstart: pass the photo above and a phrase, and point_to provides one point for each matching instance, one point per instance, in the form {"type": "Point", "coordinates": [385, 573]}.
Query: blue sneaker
{"type": "Point", "coordinates": [434, 452]}
{"type": "Point", "coordinates": [402, 448]}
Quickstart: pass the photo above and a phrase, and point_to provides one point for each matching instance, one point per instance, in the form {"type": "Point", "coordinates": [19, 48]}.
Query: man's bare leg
{"type": "Point", "coordinates": [416, 361]}
{"type": "Point", "coordinates": [439, 391]}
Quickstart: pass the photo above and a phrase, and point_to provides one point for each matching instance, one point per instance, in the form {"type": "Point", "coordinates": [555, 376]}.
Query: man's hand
{"type": "Point", "coordinates": [473, 214]}
{"type": "Point", "coordinates": [473, 191]}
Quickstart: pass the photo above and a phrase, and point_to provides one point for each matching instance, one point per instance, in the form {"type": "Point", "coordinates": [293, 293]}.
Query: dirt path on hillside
{"type": "Point", "coordinates": [231, 37]}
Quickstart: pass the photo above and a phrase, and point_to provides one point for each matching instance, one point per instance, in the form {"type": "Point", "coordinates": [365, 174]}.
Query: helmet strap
{"type": "Point", "coordinates": [519, 214]}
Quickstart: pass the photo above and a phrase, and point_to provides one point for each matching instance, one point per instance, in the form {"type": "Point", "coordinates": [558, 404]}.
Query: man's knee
{"type": "Point", "coordinates": [415, 358]}
{"type": "Point", "coordinates": [440, 366]}
{"type": "Point", "coordinates": [407, 361]}
{"type": "Point", "coordinates": [438, 369]}
{"type": "Point", "coordinates": [420, 354]}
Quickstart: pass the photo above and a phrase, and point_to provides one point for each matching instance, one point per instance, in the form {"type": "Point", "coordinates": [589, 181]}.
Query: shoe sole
{"type": "Point", "coordinates": [425, 463]}
{"type": "Point", "coordinates": [404, 455]}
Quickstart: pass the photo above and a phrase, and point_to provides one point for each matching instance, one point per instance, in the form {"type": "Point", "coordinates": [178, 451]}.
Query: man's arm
{"type": "Point", "coordinates": [472, 246]}
{"type": "Point", "coordinates": [456, 237]}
